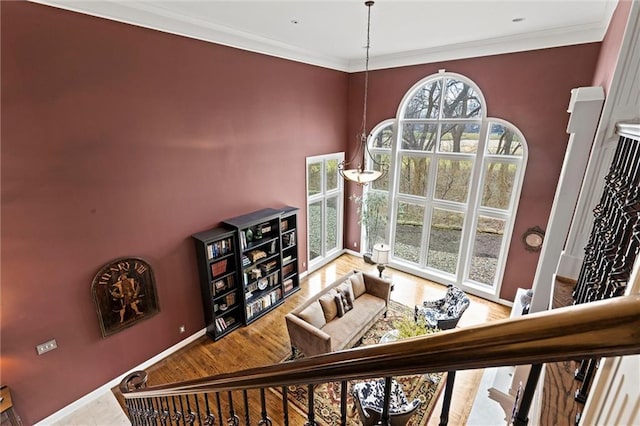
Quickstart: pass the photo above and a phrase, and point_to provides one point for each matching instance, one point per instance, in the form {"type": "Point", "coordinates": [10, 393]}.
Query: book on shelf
{"type": "Point", "coordinates": [287, 269]}
{"type": "Point", "coordinates": [243, 241]}
{"type": "Point", "coordinates": [219, 267]}
{"type": "Point", "coordinates": [230, 299]}
{"type": "Point", "coordinates": [288, 285]}
{"type": "Point", "coordinates": [221, 324]}
{"type": "Point", "coordinates": [263, 303]}
{"type": "Point", "coordinates": [284, 225]}
{"type": "Point", "coordinates": [289, 239]}
{"type": "Point", "coordinates": [219, 248]}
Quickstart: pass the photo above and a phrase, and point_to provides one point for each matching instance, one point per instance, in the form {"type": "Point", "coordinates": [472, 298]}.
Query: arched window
{"type": "Point", "coordinates": [453, 184]}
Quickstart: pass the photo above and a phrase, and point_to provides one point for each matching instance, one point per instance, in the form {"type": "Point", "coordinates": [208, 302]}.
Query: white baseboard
{"type": "Point", "coordinates": [91, 396]}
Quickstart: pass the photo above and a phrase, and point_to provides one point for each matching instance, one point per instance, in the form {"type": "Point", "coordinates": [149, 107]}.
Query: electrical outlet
{"type": "Point", "coordinates": [46, 346]}
{"type": "Point", "coordinates": [355, 244]}
{"type": "Point", "coordinates": [182, 329]}
{"type": "Point", "coordinates": [304, 264]}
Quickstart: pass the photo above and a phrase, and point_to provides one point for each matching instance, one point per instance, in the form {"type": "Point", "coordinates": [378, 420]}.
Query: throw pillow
{"type": "Point", "coordinates": [357, 282]}
{"type": "Point", "coordinates": [339, 305]}
{"type": "Point", "coordinates": [329, 307]}
{"type": "Point", "coordinates": [313, 315]}
{"type": "Point", "coordinates": [346, 286]}
{"type": "Point", "coordinates": [344, 302]}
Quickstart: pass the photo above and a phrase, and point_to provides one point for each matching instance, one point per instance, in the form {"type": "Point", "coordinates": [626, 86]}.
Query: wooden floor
{"type": "Point", "coordinates": [266, 341]}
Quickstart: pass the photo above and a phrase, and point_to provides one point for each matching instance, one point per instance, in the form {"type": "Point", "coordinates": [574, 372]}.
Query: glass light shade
{"type": "Point", "coordinates": [361, 176]}
{"type": "Point", "coordinates": [380, 254]}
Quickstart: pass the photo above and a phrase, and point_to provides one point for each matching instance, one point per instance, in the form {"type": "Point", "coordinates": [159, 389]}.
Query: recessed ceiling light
{"type": "Point", "coordinates": [517, 20]}
{"type": "Point", "coordinates": [295, 21]}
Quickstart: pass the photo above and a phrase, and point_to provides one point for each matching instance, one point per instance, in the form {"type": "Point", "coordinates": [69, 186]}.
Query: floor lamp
{"type": "Point", "coordinates": [380, 256]}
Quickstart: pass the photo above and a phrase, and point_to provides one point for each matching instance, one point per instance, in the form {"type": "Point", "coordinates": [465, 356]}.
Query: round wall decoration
{"type": "Point", "coordinates": [533, 238]}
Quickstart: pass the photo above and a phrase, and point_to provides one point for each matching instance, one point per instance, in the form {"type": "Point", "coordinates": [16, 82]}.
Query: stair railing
{"type": "Point", "coordinates": [604, 328]}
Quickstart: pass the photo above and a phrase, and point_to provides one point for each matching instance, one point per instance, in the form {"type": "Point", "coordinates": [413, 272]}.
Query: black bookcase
{"type": "Point", "coordinates": [260, 258]}
{"type": "Point", "coordinates": [247, 267]}
{"type": "Point", "coordinates": [217, 254]}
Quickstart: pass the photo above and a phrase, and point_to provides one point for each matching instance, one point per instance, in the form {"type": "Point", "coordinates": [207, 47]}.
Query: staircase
{"type": "Point", "coordinates": [598, 329]}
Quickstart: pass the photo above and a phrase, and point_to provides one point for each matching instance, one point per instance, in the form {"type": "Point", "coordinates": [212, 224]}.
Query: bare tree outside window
{"type": "Point", "coordinates": [443, 137]}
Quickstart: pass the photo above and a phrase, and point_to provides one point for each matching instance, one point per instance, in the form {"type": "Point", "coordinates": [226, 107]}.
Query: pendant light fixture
{"type": "Point", "coordinates": [354, 170]}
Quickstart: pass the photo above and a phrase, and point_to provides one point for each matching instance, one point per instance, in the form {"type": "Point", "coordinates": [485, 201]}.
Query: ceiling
{"type": "Point", "coordinates": [332, 34]}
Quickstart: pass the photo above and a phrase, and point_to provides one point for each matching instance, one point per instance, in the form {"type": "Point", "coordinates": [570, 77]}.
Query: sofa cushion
{"type": "Point", "coordinates": [313, 315]}
{"type": "Point", "coordinates": [343, 302]}
{"type": "Point", "coordinates": [346, 331]}
{"type": "Point", "coordinates": [329, 306]}
{"type": "Point", "coordinates": [357, 282]}
{"type": "Point", "coordinates": [348, 287]}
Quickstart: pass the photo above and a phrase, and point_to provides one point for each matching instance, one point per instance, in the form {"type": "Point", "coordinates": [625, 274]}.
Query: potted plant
{"type": "Point", "coordinates": [372, 215]}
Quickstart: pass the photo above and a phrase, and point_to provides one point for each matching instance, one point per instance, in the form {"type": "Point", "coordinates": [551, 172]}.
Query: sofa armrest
{"type": "Point", "coordinates": [306, 338]}
{"type": "Point", "coordinates": [379, 287]}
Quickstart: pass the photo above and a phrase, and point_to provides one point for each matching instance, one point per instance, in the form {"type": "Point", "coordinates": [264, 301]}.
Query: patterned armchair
{"type": "Point", "coordinates": [446, 312]}
{"type": "Point", "coordinates": [369, 398]}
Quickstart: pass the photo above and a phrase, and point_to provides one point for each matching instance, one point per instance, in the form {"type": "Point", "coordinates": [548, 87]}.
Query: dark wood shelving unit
{"type": "Point", "coordinates": [217, 254]}
{"type": "Point", "coordinates": [258, 234]}
{"type": "Point", "coordinates": [247, 267]}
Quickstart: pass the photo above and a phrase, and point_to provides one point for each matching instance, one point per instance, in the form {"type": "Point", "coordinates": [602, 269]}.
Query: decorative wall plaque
{"type": "Point", "coordinates": [124, 292]}
{"type": "Point", "coordinates": [533, 238]}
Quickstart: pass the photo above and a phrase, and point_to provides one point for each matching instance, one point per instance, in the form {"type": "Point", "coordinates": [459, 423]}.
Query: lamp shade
{"type": "Point", "coordinates": [380, 254]}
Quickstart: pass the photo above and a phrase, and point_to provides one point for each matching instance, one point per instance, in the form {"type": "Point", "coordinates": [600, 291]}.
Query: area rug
{"type": "Point", "coordinates": [425, 387]}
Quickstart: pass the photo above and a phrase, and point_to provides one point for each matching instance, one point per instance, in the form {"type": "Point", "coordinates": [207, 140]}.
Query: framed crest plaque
{"type": "Point", "coordinates": [124, 292]}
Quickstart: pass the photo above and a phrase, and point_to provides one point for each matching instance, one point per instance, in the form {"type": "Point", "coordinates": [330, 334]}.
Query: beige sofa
{"type": "Point", "coordinates": [315, 327]}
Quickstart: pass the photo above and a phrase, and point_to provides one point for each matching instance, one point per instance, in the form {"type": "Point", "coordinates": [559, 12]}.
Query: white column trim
{"type": "Point", "coordinates": [622, 104]}
{"type": "Point", "coordinates": [585, 106]}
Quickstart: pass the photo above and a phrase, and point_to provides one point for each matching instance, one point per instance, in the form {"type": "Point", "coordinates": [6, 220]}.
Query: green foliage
{"type": "Point", "coordinates": [408, 327]}
{"type": "Point", "coordinates": [372, 215]}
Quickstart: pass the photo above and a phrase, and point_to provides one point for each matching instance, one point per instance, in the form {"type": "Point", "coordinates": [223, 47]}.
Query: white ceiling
{"type": "Point", "coordinates": [332, 34]}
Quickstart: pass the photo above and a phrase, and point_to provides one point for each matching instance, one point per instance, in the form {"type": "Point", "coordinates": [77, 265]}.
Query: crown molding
{"type": "Point", "coordinates": [154, 16]}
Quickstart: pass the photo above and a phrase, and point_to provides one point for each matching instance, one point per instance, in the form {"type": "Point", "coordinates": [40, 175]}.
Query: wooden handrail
{"type": "Point", "coordinates": [605, 328]}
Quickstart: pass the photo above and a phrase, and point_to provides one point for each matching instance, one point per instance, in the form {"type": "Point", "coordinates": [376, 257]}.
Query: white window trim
{"type": "Point", "coordinates": [471, 209]}
{"type": "Point", "coordinates": [323, 196]}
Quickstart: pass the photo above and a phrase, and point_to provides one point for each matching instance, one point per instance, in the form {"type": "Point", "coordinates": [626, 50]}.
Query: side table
{"type": "Point", "coordinates": [6, 406]}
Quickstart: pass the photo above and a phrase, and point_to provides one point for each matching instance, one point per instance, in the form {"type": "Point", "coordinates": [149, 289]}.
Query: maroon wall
{"type": "Point", "coordinates": [529, 89]}
{"type": "Point", "coordinates": [122, 141]}
{"type": "Point", "coordinates": [611, 46]}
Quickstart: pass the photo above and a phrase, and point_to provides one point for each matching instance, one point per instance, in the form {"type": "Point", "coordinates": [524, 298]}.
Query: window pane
{"type": "Point", "coordinates": [383, 182]}
{"type": "Point", "coordinates": [409, 225]}
{"type": "Point", "coordinates": [452, 183]}
{"type": "Point", "coordinates": [426, 102]}
{"type": "Point", "coordinates": [503, 141]}
{"type": "Point", "coordinates": [459, 138]}
{"type": "Point", "coordinates": [314, 179]}
{"type": "Point", "coordinates": [315, 230]}
{"type": "Point", "coordinates": [498, 185]}
{"type": "Point", "coordinates": [383, 138]}
{"type": "Point", "coordinates": [486, 249]}
{"type": "Point", "coordinates": [332, 174]}
{"type": "Point", "coordinates": [414, 175]}
{"type": "Point", "coordinates": [460, 101]}
{"type": "Point", "coordinates": [331, 236]}
{"type": "Point", "coordinates": [419, 137]}
{"type": "Point", "coordinates": [444, 240]}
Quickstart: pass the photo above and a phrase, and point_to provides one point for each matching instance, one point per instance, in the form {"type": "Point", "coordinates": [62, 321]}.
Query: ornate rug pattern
{"type": "Point", "coordinates": [425, 387]}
